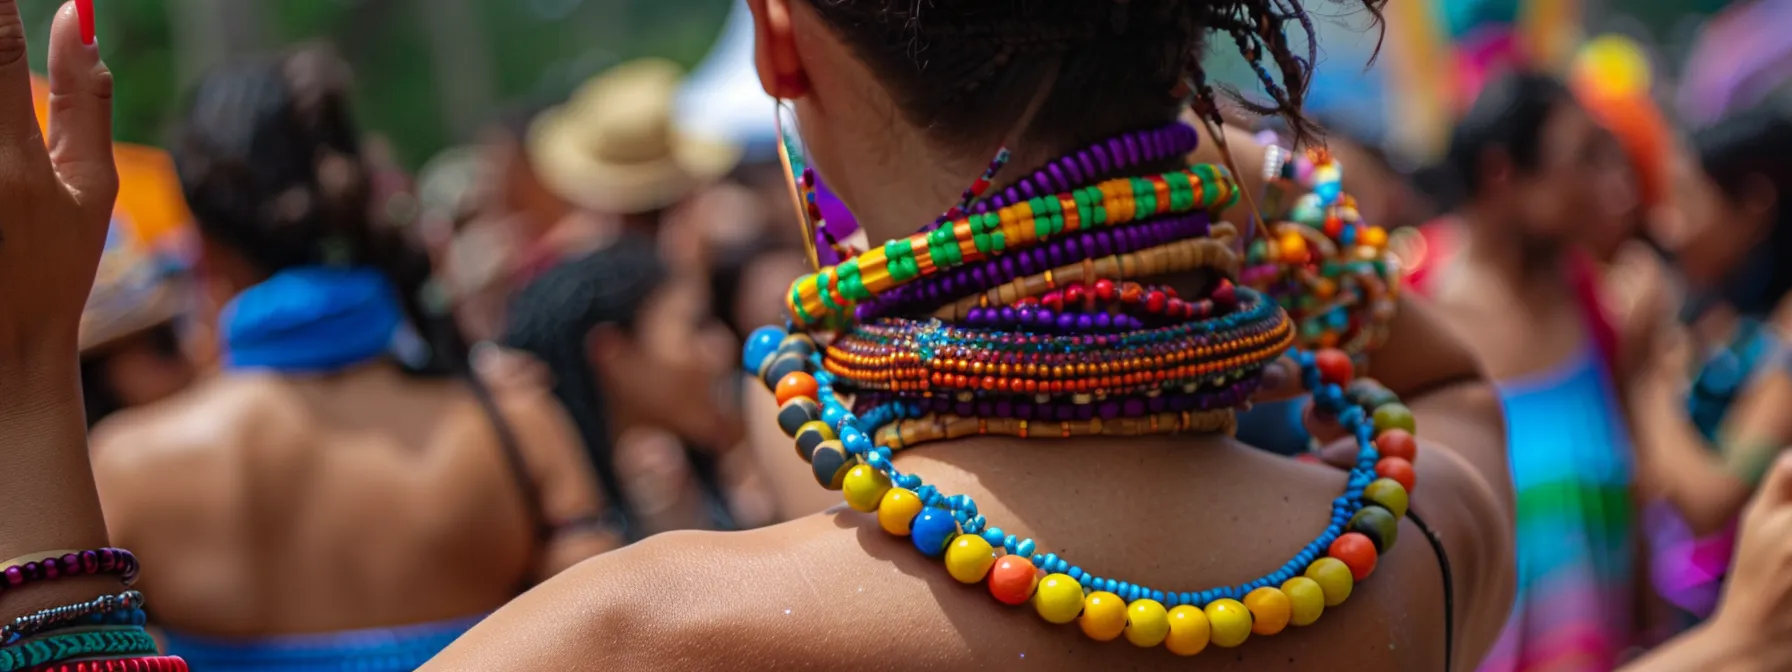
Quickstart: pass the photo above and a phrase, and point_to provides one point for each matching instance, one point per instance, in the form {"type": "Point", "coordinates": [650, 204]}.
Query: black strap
{"type": "Point", "coordinates": [513, 458]}
{"type": "Point", "coordinates": [1443, 561]}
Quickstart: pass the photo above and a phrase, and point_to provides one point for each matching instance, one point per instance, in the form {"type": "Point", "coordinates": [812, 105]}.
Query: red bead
{"type": "Point", "coordinates": [1155, 301]}
{"type": "Point", "coordinates": [1334, 366]}
{"type": "Point", "coordinates": [1053, 300]}
{"type": "Point", "coordinates": [1013, 579]}
{"type": "Point", "coordinates": [1073, 295]}
{"type": "Point", "coordinates": [797, 384]}
{"type": "Point", "coordinates": [1398, 469]}
{"type": "Point", "coordinates": [1225, 294]}
{"type": "Point", "coordinates": [1357, 552]}
{"type": "Point", "coordinates": [1104, 289]}
{"type": "Point", "coordinates": [1334, 227]}
{"type": "Point", "coordinates": [1397, 443]}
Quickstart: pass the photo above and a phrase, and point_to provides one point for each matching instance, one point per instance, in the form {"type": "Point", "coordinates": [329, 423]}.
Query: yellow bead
{"type": "Point", "coordinates": [1375, 237]}
{"type": "Point", "coordinates": [1333, 577]}
{"type": "Point", "coordinates": [865, 488]}
{"type": "Point", "coordinates": [1104, 616]}
{"type": "Point", "coordinates": [1147, 623]}
{"type": "Point", "coordinates": [969, 558]}
{"type": "Point", "coordinates": [1058, 599]}
{"type": "Point", "coordinates": [1306, 600]}
{"type": "Point", "coordinates": [1229, 621]}
{"type": "Point", "coordinates": [1189, 631]}
{"type": "Point", "coordinates": [1293, 248]}
{"type": "Point", "coordinates": [1270, 610]}
{"type": "Point", "coordinates": [898, 510]}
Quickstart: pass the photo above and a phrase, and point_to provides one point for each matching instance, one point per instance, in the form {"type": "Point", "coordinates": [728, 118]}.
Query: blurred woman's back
{"type": "Point", "coordinates": [332, 479]}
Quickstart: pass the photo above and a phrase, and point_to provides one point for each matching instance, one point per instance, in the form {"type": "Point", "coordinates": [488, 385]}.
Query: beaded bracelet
{"type": "Point", "coordinates": [71, 564]}
{"type": "Point", "coordinates": [69, 644]}
{"type": "Point", "coordinates": [144, 664]}
{"type": "Point", "coordinates": [128, 604]}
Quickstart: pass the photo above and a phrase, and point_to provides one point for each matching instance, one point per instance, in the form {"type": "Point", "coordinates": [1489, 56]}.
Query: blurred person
{"type": "Point", "coordinates": [639, 363]}
{"type": "Point", "coordinates": [131, 349]}
{"type": "Point", "coordinates": [1711, 409]}
{"type": "Point", "coordinates": [330, 499]}
{"type": "Point", "coordinates": [1532, 162]}
{"type": "Point", "coordinates": [616, 152]}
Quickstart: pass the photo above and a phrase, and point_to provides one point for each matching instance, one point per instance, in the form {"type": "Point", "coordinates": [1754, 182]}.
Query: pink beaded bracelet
{"type": "Point", "coordinates": [36, 568]}
{"type": "Point", "coordinates": [145, 664]}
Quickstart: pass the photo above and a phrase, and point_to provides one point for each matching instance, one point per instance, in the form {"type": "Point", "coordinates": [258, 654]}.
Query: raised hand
{"type": "Point", "coordinates": [55, 200]}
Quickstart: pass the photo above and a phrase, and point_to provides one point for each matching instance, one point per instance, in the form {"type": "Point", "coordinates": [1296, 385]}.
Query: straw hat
{"type": "Point", "coordinates": [615, 148]}
{"type": "Point", "coordinates": [134, 289]}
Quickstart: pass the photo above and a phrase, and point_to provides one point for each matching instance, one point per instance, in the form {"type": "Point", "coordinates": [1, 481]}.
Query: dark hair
{"type": "Point", "coordinates": [1508, 116]}
{"type": "Point", "coordinates": [553, 317]}
{"type": "Point", "coordinates": [1748, 146]}
{"type": "Point", "coordinates": [97, 393]}
{"type": "Point", "coordinates": [270, 162]}
{"type": "Point", "coordinates": [968, 70]}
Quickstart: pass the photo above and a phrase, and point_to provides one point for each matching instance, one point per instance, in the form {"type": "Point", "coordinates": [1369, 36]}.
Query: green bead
{"type": "Point", "coordinates": [1085, 214]}
{"type": "Point", "coordinates": [1379, 525]}
{"type": "Point", "coordinates": [1101, 214]}
{"type": "Point", "coordinates": [1387, 493]}
{"type": "Point", "coordinates": [982, 241]}
{"type": "Point", "coordinates": [1394, 416]}
{"type": "Point", "coordinates": [1042, 227]}
{"type": "Point", "coordinates": [999, 240]}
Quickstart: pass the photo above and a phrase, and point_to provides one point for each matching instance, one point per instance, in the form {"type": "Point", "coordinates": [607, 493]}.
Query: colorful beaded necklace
{"type": "Point", "coordinates": [1049, 357]}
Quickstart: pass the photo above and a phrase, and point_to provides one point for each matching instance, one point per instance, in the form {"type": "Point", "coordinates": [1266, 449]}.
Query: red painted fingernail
{"type": "Point", "coordinates": [84, 11]}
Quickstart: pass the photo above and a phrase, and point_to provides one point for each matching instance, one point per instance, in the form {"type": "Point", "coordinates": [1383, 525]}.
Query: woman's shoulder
{"type": "Point", "coordinates": [208, 414]}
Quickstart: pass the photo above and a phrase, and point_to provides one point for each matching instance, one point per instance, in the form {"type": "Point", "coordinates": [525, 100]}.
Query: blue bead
{"type": "Point", "coordinates": [1076, 573]}
{"type": "Point", "coordinates": [759, 347]}
{"type": "Point", "coordinates": [1110, 585]}
{"type": "Point", "coordinates": [1088, 581]}
{"type": "Point", "coordinates": [1171, 601]}
{"type": "Point", "coordinates": [993, 536]}
{"type": "Point", "coordinates": [1024, 548]}
{"type": "Point", "coordinates": [832, 415]}
{"type": "Point", "coordinates": [932, 530]}
{"type": "Point", "coordinates": [883, 452]}
{"type": "Point", "coordinates": [1158, 595]}
{"type": "Point", "coordinates": [974, 525]}
{"type": "Point", "coordinates": [1008, 543]}
{"type": "Point", "coordinates": [855, 441]}
{"type": "Point", "coordinates": [908, 481]}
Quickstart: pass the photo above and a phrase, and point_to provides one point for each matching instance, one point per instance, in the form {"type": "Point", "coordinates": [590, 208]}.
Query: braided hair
{"type": "Point", "coordinates": [553, 317]}
{"type": "Point", "coordinates": [967, 69]}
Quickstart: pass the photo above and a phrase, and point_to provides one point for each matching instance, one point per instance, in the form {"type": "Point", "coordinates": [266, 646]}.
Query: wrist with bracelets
{"type": "Point", "coordinates": [104, 634]}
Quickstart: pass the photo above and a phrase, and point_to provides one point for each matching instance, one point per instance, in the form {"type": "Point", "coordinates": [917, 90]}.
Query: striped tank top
{"type": "Point", "coordinates": [1572, 472]}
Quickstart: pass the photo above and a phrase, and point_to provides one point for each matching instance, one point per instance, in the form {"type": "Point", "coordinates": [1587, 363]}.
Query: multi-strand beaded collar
{"type": "Point", "coordinates": [1033, 314]}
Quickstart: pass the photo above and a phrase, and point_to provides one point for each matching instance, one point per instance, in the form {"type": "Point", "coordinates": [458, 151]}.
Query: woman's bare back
{"type": "Point", "coordinates": [271, 505]}
{"type": "Point", "coordinates": [835, 591]}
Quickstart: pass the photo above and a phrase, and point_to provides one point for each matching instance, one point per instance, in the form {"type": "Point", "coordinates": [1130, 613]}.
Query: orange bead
{"type": "Point", "coordinates": [1357, 552]}
{"type": "Point", "coordinates": [797, 384]}
{"type": "Point", "coordinates": [1013, 579]}
{"type": "Point", "coordinates": [1334, 366]}
{"type": "Point", "coordinates": [1397, 443]}
{"type": "Point", "coordinates": [1398, 469]}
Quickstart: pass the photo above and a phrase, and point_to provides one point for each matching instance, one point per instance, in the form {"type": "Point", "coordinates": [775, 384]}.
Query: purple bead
{"type": "Point", "coordinates": [1104, 243]}
{"type": "Point", "coordinates": [1044, 318]}
{"type": "Point", "coordinates": [1026, 189]}
{"type": "Point", "coordinates": [1085, 411]}
{"type": "Point", "coordinates": [15, 577]}
{"type": "Point", "coordinates": [1024, 316]}
{"type": "Point", "coordinates": [1005, 409]}
{"type": "Point", "coordinates": [1065, 413]}
{"type": "Point", "coordinates": [1024, 410]}
{"type": "Point", "coordinates": [1074, 247]}
{"type": "Point", "coordinates": [1071, 169]}
{"type": "Point", "coordinates": [1101, 159]}
{"type": "Point", "coordinates": [1007, 314]}
{"type": "Point", "coordinates": [1066, 322]}
{"type": "Point", "coordinates": [1157, 403]}
{"type": "Point", "coordinates": [1110, 410]}
{"type": "Point", "coordinates": [1133, 407]}
{"type": "Point", "coordinates": [1007, 264]}
{"type": "Point", "coordinates": [1054, 255]}
{"type": "Point", "coordinates": [1087, 166]}
{"type": "Point", "coordinates": [1084, 322]}
{"type": "Point", "coordinates": [90, 561]}
{"type": "Point", "coordinates": [1179, 403]}
{"type": "Point", "coordinates": [51, 568]}
{"type": "Point", "coordinates": [1103, 321]}
{"type": "Point", "coordinates": [985, 409]}
{"type": "Point", "coordinates": [964, 408]}
{"type": "Point", "coordinates": [1132, 148]}
{"type": "Point", "coordinates": [1058, 181]}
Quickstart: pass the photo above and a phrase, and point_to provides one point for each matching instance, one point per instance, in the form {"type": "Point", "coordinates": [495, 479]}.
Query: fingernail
{"type": "Point", "coordinates": [84, 11]}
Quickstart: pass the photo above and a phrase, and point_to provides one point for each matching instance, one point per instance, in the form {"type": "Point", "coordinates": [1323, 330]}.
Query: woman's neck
{"type": "Point", "coordinates": [1500, 252]}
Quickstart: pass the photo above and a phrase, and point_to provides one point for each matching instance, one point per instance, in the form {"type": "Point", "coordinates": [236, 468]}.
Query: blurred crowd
{"type": "Point", "coordinates": [576, 282]}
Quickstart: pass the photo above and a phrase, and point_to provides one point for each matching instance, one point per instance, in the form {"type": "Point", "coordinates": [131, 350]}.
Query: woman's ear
{"type": "Point", "coordinates": [774, 50]}
{"type": "Point", "coordinates": [606, 347]}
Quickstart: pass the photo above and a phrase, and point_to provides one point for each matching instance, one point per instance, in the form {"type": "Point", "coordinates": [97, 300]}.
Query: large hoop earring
{"type": "Point", "coordinates": [800, 180]}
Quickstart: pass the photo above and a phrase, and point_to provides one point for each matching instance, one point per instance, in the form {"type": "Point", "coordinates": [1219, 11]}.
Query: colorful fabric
{"type": "Point", "coordinates": [372, 650]}
{"type": "Point", "coordinates": [312, 319]}
{"type": "Point", "coordinates": [1572, 472]}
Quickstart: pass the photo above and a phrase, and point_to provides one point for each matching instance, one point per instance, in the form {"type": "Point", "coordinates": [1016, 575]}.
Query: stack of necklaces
{"type": "Point", "coordinates": [1032, 313]}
